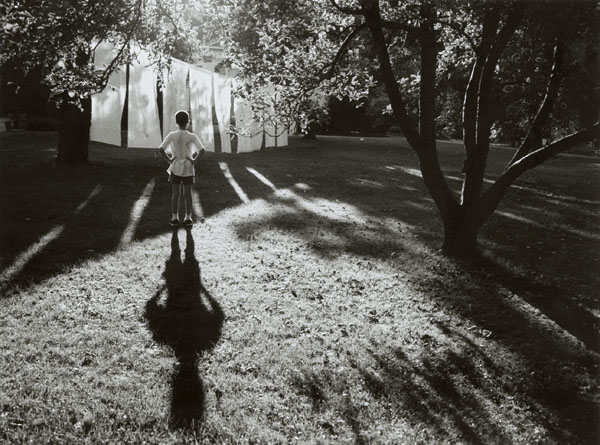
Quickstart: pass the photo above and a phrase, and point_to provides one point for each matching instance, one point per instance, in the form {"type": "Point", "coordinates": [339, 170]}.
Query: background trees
{"type": "Point", "coordinates": [56, 39]}
{"type": "Point", "coordinates": [481, 70]}
{"type": "Point", "coordinates": [500, 66]}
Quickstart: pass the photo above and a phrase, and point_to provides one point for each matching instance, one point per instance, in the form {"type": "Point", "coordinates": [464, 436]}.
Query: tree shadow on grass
{"type": "Point", "coordinates": [64, 215]}
{"type": "Point", "coordinates": [436, 397]}
{"type": "Point", "coordinates": [524, 237]}
{"type": "Point", "coordinates": [443, 390]}
{"type": "Point", "coordinates": [69, 215]}
{"type": "Point", "coordinates": [378, 184]}
{"type": "Point", "coordinates": [553, 372]}
{"type": "Point", "coordinates": [550, 300]}
{"type": "Point", "coordinates": [189, 320]}
{"type": "Point", "coordinates": [330, 228]}
{"type": "Point", "coordinates": [446, 387]}
{"type": "Point", "coordinates": [330, 234]}
{"type": "Point", "coordinates": [454, 387]}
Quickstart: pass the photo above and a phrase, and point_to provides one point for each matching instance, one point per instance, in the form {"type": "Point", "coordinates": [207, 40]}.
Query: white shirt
{"type": "Point", "coordinates": [181, 144]}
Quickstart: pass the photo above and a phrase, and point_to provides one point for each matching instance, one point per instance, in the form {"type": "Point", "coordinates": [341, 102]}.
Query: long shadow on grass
{"type": "Point", "coordinates": [330, 234]}
{"type": "Point", "coordinates": [551, 301]}
{"type": "Point", "coordinates": [533, 230]}
{"type": "Point", "coordinates": [456, 387]}
{"type": "Point", "coordinates": [447, 390]}
{"type": "Point", "coordinates": [189, 320]}
{"type": "Point", "coordinates": [434, 396]}
{"type": "Point", "coordinates": [547, 377]}
{"type": "Point", "coordinates": [65, 215]}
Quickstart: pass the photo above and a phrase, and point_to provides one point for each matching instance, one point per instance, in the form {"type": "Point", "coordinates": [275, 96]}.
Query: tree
{"type": "Point", "coordinates": [58, 39]}
{"type": "Point", "coordinates": [329, 45]}
{"type": "Point", "coordinates": [367, 116]}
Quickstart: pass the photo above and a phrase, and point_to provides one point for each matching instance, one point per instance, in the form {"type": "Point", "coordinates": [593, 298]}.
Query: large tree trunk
{"type": "Point", "coordinates": [462, 227]}
{"type": "Point", "coordinates": [460, 235]}
{"type": "Point", "coordinates": [74, 130]}
{"type": "Point", "coordinates": [463, 221]}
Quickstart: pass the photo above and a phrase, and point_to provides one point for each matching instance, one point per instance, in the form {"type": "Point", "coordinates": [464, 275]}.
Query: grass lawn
{"type": "Point", "coordinates": [312, 306]}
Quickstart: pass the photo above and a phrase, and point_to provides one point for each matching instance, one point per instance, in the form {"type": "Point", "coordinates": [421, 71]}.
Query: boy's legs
{"type": "Point", "coordinates": [187, 200]}
{"type": "Point", "coordinates": [176, 188]}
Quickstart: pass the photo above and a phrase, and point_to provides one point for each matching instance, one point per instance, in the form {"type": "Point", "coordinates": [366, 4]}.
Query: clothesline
{"type": "Point", "coordinates": [186, 87]}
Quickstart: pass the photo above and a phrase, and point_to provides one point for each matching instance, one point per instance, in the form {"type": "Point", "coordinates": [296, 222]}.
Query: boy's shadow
{"type": "Point", "coordinates": [189, 320]}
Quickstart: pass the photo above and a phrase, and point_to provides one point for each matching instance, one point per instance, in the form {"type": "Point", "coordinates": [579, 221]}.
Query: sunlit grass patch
{"type": "Point", "coordinates": [318, 311]}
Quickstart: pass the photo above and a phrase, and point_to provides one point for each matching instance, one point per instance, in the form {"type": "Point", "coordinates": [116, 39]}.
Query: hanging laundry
{"type": "Point", "coordinates": [205, 91]}
{"type": "Point", "coordinates": [107, 106]}
{"type": "Point", "coordinates": [271, 130]}
{"type": "Point", "coordinates": [258, 133]}
{"type": "Point", "coordinates": [143, 125]}
{"type": "Point", "coordinates": [271, 136]}
{"type": "Point", "coordinates": [243, 123]}
{"type": "Point", "coordinates": [175, 95]}
{"type": "Point", "coordinates": [201, 99]}
{"type": "Point", "coordinates": [222, 91]}
{"type": "Point", "coordinates": [283, 139]}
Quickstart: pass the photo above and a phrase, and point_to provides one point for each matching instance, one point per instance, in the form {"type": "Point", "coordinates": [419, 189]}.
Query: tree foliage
{"type": "Point", "coordinates": [297, 47]}
{"type": "Point", "coordinates": [59, 37]}
{"type": "Point", "coordinates": [491, 63]}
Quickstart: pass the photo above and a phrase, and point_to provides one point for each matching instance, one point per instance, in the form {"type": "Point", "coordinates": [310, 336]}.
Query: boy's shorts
{"type": "Point", "coordinates": [174, 179]}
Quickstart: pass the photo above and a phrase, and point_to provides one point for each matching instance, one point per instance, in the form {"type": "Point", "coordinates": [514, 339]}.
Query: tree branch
{"type": "Point", "coordinates": [428, 157]}
{"type": "Point", "coordinates": [547, 104]}
{"type": "Point", "coordinates": [111, 66]}
{"type": "Point", "coordinates": [492, 196]}
{"type": "Point", "coordinates": [340, 53]}
{"type": "Point", "coordinates": [346, 10]}
{"type": "Point", "coordinates": [425, 148]}
{"type": "Point", "coordinates": [166, 13]}
{"type": "Point", "coordinates": [399, 26]}
{"type": "Point", "coordinates": [477, 157]}
{"type": "Point", "coordinates": [427, 89]}
{"type": "Point", "coordinates": [490, 24]}
{"type": "Point", "coordinates": [485, 86]}
{"type": "Point", "coordinates": [373, 20]}
{"type": "Point", "coordinates": [460, 31]}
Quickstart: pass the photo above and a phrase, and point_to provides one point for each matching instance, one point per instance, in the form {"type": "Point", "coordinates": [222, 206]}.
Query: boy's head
{"type": "Point", "coordinates": [182, 118]}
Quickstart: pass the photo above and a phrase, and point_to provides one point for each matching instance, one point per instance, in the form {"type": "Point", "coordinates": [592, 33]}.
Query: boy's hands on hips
{"type": "Point", "coordinates": [165, 155]}
{"type": "Point", "coordinates": [197, 155]}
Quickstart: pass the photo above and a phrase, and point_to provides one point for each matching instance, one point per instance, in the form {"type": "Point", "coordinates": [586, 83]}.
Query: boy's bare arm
{"type": "Point", "coordinates": [165, 155]}
{"type": "Point", "coordinates": [200, 147]}
{"type": "Point", "coordinates": [196, 155]}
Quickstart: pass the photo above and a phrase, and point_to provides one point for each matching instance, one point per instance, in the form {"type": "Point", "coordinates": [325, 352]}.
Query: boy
{"type": "Point", "coordinates": [181, 149]}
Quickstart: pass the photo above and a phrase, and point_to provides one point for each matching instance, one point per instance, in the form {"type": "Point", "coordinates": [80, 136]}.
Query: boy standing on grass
{"type": "Point", "coordinates": [181, 149]}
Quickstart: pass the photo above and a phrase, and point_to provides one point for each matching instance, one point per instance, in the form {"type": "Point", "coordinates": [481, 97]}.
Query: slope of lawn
{"type": "Point", "coordinates": [312, 306]}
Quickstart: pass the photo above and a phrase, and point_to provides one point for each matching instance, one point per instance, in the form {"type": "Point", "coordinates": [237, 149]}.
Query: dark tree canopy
{"type": "Point", "coordinates": [56, 39]}
{"type": "Point", "coordinates": [59, 37]}
{"type": "Point", "coordinates": [480, 70]}
{"type": "Point", "coordinates": [470, 68]}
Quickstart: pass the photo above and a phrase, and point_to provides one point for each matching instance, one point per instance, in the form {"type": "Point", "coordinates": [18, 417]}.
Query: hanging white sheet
{"type": "Point", "coordinates": [175, 95]}
{"type": "Point", "coordinates": [270, 136]}
{"type": "Point", "coordinates": [257, 135]}
{"type": "Point", "coordinates": [283, 139]}
{"type": "Point", "coordinates": [107, 106]}
{"type": "Point", "coordinates": [282, 129]}
{"type": "Point", "coordinates": [243, 122]}
{"type": "Point", "coordinates": [271, 131]}
{"type": "Point", "coordinates": [201, 98]}
{"type": "Point", "coordinates": [205, 90]}
{"type": "Point", "coordinates": [222, 91]}
{"type": "Point", "coordinates": [143, 125]}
